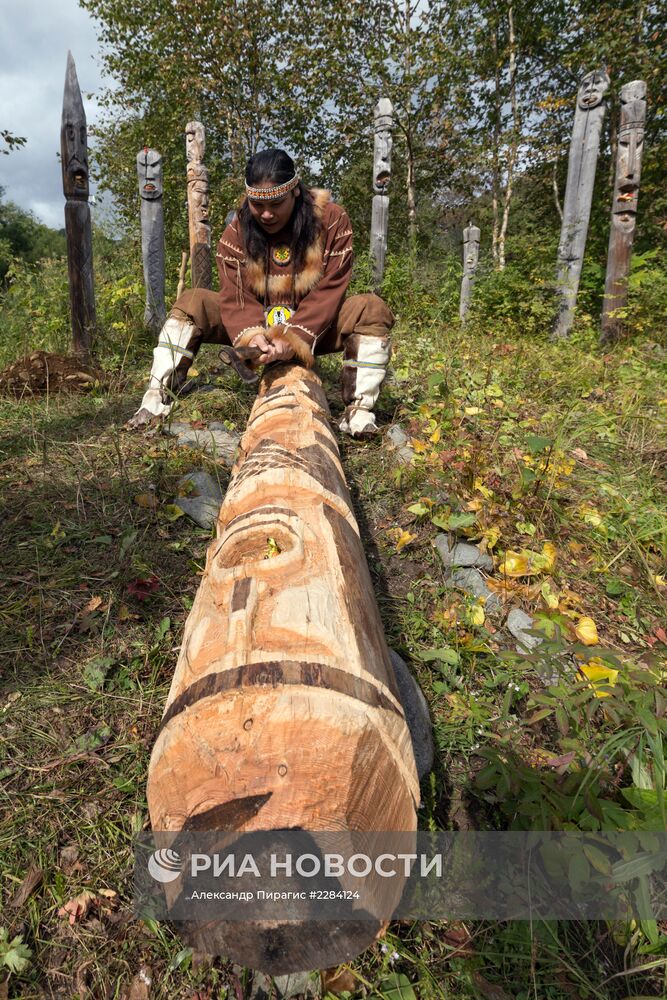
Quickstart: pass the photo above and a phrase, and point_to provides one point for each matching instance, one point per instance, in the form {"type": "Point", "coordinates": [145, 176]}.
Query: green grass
{"type": "Point", "coordinates": [85, 680]}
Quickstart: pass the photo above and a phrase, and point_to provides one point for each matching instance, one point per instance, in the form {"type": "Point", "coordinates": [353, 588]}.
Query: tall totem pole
{"type": "Point", "coordinates": [471, 236]}
{"type": "Point", "coordinates": [200, 227]}
{"type": "Point", "coordinates": [584, 148]}
{"type": "Point", "coordinates": [624, 208]}
{"type": "Point", "coordinates": [149, 170]}
{"type": "Point", "coordinates": [74, 163]}
{"type": "Point", "coordinates": [383, 124]}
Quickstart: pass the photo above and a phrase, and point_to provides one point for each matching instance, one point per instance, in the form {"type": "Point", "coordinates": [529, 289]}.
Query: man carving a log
{"type": "Point", "coordinates": [284, 262]}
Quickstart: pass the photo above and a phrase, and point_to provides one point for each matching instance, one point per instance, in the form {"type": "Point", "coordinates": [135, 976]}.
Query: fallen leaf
{"type": "Point", "coordinates": [527, 563]}
{"type": "Point", "coordinates": [77, 908]}
{"type": "Point", "coordinates": [338, 980]}
{"type": "Point", "coordinates": [404, 538]}
{"type": "Point", "coordinates": [586, 632]}
{"type": "Point", "coordinates": [27, 887]}
{"type": "Point", "coordinates": [142, 588]}
{"type": "Point", "coordinates": [472, 411]}
{"type": "Point", "coordinates": [93, 604]}
{"type": "Point", "coordinates": [146, 500]}
{"type": "Point", "coordinates": [600, 675]}
{"type": "Point", "coordinates": [140, 986]}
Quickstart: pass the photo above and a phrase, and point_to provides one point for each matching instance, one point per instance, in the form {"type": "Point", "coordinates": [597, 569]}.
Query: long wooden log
{"type": "Point", "coordinates": [582, 163]}
{"type": "Point", "coordinates": [149, 171]}
{"type": "Point", "coordinates": [74, 163]}
{"type": "Point", "coordinates": [471, 236]}
{"type": "Point", "coordinates": [284, 711]}
{"type": "Point", "coordinates": [629, 153]}
{"type": "Point", "coordinates": [382, 145]}
{"type": "Point", "coordinates": [198, 194]}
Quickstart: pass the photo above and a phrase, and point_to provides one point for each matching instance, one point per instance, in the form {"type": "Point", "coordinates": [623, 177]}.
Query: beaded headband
{"type": "Point", "coordinates": [272, 193]}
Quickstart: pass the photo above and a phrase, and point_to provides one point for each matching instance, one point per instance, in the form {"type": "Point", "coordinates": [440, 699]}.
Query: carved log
{"type": "Point", "coordinates": [383, 124]}
{"type": "Point", "coordinates": [284, 711]}
{"type": "Point", "coordinates": [471, 236]}
{"type": "Point", "coordinates": [149, 170]}
{"type": "Point", "coordinates": [582, 162]}
{"type": "Point", "coordinates": [629, 155]}
{"type": "Point", "coordinates": [74, 162]}
{"type": "Point", "coordinates": [200, 227]}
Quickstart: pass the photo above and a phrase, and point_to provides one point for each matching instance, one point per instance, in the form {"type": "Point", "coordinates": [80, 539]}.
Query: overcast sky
{"type": "Point", "coordinates": [35, 37]}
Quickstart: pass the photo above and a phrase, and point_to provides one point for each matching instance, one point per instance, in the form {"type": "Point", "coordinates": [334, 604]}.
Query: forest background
{"type": "Point", "coordinates": [518, 442]}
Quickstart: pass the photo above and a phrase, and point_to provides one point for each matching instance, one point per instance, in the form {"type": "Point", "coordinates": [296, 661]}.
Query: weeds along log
{"type": "Point", "coordinates": [383, 124]}
{"type": "Point", "coordinates": [198, 195]}
{"type": "Point", "coordinates": [149, 171]}
{"type": "Point", "coordinates": [629, 154]}
{"type": "Point", "coordinates": [76, 188]}
{"type": "Point", "coordinates": [471, 236]}
{"type": "Point", "coordinates": [284, 711]}
{"type": "Point", "coordinates": [582, 162]}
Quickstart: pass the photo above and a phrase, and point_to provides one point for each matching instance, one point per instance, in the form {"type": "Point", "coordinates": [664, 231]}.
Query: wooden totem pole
{"type": "Point", "coordinates": [200, 227]}
{"type": "Point", "coordinates": [383, 124]}
{"type": "Point", "coordinates": [624, 209]}
{"type": "Point", "coordinates": [74, 162]}
{"type": "Point", "coordinates": [471, 236]}
{"type": "Point", "coordinates": [284, 711]}
{"type": "Point", "coordinates": [149, 170]}
{"type": "Point", "coordinates": [584, 148]}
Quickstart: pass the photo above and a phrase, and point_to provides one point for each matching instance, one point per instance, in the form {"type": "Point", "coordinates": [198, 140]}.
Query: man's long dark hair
{"type": "Point", "coordinates": [275, 166]}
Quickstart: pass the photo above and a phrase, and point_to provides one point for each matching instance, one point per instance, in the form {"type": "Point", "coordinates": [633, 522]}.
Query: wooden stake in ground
{"type": "Point", "coordinates": [200, 227]}
{"type": "Point", "coordinates": [383, 124]}
{"type": "Point", "coordinates": [74, 162]}
{"type": "Point", "coordinates": [284, 711]}
{"type": "Point", "coordinates": [629, 153]}
{"type": "Point", "coordinates": [149, 170]}
{"type": "Point", "coordinates": [584, 148]}
{"type": "Point", "coordinates": [471, 236]}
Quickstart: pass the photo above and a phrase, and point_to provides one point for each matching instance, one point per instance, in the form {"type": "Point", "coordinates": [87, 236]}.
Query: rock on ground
{"type": "Point", "coordinates": [455, 553]}
{"type": "Point", "coordinates": [215, 439]}
{"type": "Point", "coordinates": [518, 622]}
{"type": "Point", "coordinates": [399, 441]}
{"type": "Point", "coordinates": [472, 582]}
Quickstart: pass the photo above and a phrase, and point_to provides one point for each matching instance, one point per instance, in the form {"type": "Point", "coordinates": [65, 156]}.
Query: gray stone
{"type": "Point", "coordinates": [218, 441]}
{"type": "Point", "coordinates": [416, 715]}
{"type": "Point", "coordinates": [517, 623]}
{"type": "Point", "coordinates": [200, 484]}
{"type": "Point", "coordinates": [455, 553]}
{"type": "Point", "coordinates": [472, 582]}
{"type": "Point", "coordinates": [398, 441]}
{"type": "Point", "coordinates": [202, 510]}
{"type": "Point", "coordinates": [306, 984]}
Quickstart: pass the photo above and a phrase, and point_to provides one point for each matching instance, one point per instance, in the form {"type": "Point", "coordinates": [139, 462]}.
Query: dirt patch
{"type": "Point", "coordinates": [41, 373]}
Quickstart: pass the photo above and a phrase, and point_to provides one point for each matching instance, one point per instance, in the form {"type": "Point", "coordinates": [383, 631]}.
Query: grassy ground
{"type": "Point", "coordinates": [553, 459]}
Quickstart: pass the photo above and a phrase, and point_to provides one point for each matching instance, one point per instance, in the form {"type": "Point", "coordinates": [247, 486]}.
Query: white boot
{"type": "Point", "coordinates": [364, 369]}
{"type": "Point", "coordinates": [172, 347]}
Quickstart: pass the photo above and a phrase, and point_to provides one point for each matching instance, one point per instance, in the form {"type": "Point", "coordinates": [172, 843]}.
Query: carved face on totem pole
{"type": "Point", "coordinates": [471, 241]}
{"type": "Point", "coordinates": [198, 187]}
{"type": "Point", "coordinates": [382, 146]}
{"type": "Point", "coordinates": [592, 89]}
{"type": "Point", "coordinates": [74, 138]}
{"type": "Point", "coordinates": [629, 153]}
{"type": "Point", "coordinates": [149, 170]}
{"type": "Point", "coordinates": [195, 141]}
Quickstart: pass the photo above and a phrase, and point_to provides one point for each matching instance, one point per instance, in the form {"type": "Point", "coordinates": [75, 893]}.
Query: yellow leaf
{"type": "Point", "coordinates": [193, 373]}
{"type": "Point", "coordinates": [600, 676]}
{"type": "Point", "coordinates": [491, 536]}
{"type": "Point", "coordinates": [590, 516]}
{"type": "Point", "coordinates": [498, 403]}
{"type": "Point", "coordinates": [435, 436]}
{"type": "Point", "coordinates": [404, 539]}
{"type": "Point", "coordinates": [272, 548]}
{"type": "Point", "coordinates": [484, 490]}
{"type": "Point", "coordinates": [93, 604]}
{"type": "Point", "coordinates": [419, 446]}
{"type": "Point", "coordinates": [549, 554]}
{"type": "Point", "coordinates": [472, 411]}
{"type": "Point", "coordinates": [586, 632]}
{"type": "Point", "coordinates": [660, 581]}
{"type": "Point", "coordinates": [146, 500]}
{"type": "Point", "coordinates": [527, 563]}
{"type": "Point", "coordinates": [476, 615]}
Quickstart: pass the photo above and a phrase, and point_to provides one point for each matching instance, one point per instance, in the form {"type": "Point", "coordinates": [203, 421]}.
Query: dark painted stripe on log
{"type": "Point", "coordinates": [359, 595]}
{"type": "Point", "coordinates": [258, 510]}
{"type": "Point", "coordinates": [228, 815]}
{"type": "Point", "coordinates": [272, 672]}
{"type": "Point", "coordinates": [240, 594]}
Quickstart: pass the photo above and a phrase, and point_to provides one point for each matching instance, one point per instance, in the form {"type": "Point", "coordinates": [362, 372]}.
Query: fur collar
{"type": "Point", "coordinates": [280, 285]}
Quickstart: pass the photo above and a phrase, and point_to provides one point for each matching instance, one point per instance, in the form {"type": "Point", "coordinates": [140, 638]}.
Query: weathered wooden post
{"type": "Point", "coordinates": [383, 124]}
{"type": "Point", "coordinates": [629, 155]}
{"type": "Point", "coordinates": [74, 163]}
{"type": "Point", "coordinates": [200, 227]}
{"type": "Point", "coordinates": [284, 711]}
{"type": "Point", "coordinates": [584, 148]}
{"type": "Point", "coordinates": [471, 236]}
{"type": "Point", "coordinates": [149, 170]}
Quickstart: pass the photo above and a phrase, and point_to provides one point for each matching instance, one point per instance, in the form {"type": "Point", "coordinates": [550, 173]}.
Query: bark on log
{"type": "Point", "coordinates": [582, 162]}
{"type": "Point", "coordinates": [149, 171]}
{"type": "Point", "coordinates": [74, 163]}
{"type": "Point", "coordinates": [471, 236]}
{"type": "Point", "coordinates": [198, 194]}
{"type": "Point", "coordinates": [629, 153]}
{"type": "Point", "coordinates": [284, 711]}
{"type": "Point", "coordinates": [383, 124]}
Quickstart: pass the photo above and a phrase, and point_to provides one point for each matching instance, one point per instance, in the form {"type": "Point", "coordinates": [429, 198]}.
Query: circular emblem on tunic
{"type": "Point", "coordinates": [282, 255]}
{"type": "Point", "coordinates": [278, 315]}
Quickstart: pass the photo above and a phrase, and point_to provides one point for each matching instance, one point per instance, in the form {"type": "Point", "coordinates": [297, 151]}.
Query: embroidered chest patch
{"type": "Point", "coordinates": [281, 255]}
{"type": "Point", "coordinates": [278, 315]}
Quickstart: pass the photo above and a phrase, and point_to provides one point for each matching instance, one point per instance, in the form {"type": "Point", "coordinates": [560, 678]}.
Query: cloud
{"type": "Point", "coordinates": [36, 37]}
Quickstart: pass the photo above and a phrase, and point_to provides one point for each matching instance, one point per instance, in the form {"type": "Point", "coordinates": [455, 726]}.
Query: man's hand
{"type": "Point", "coordinates": [276, 350]}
